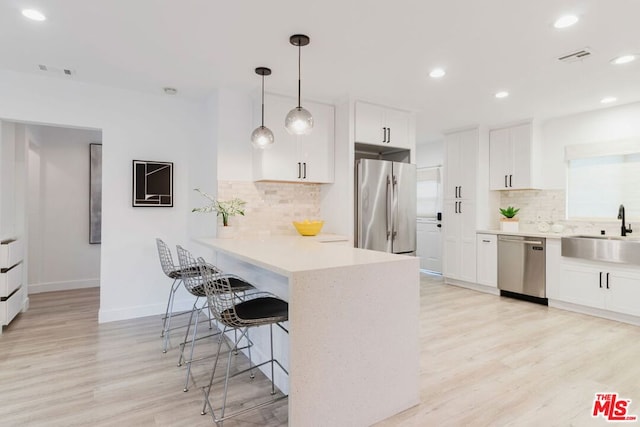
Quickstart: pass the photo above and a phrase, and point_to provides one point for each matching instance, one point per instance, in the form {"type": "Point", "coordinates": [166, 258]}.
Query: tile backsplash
{"type": "Point", "coordinates": [549, 206]}
{"type": "Point", "coordinates": [271, 206]}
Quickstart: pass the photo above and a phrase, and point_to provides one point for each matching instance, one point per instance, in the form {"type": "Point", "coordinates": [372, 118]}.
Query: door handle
{"type": "Point", "coordinates": [460, 207]}
{"type": "Point", "coordinates": [486, 241]}
{"type": "Point", "coordinates": [601, 280]}
{"type": "Point", "coordinates": [439, 225]}
{"type": "Point", "coordinates": [304, 168]}
{"type": "Point", "coordinates": [524, 242]}
{"type": "Point", "coordinates": [505, 181]}
{"type": "Point", "coordinates": [510, 177]}
{"type": "Point", "coordinates": [460, 192]}
{"type": "Point", "coordinates": [455, 207]}
{"type": "Point", "coordinates": [299, 171]}
{"type": "Point", "coordinates": [394, 222]}
{"type": "Point", "coordinates": [384, 134]}
{"type": "Point", "coordinates": [607, 280]}
{"type": "Point", "coordinates": [388, 208]}
{"type": "Point", "coordinates": [389, 135]}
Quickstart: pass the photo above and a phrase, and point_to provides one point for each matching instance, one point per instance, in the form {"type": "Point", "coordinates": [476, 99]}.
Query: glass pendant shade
{"type": "Point", "coordinates": [299, 121]}
{"type": "Point", "coordinates": [262, 137]}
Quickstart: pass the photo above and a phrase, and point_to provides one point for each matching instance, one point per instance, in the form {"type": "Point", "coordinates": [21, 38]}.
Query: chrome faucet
{"type": "Point", "coordinates": [624, 230]}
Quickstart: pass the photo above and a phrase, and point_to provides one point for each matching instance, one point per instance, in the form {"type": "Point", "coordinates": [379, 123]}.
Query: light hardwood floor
{"type": "Point", "coordinates": [485, 361]}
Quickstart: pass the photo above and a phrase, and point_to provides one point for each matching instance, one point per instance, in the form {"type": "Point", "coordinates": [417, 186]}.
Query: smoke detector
{"type": "Point", "coordinates": [57, 70]}
{"type": "Point", "coordinates": [577, 55]}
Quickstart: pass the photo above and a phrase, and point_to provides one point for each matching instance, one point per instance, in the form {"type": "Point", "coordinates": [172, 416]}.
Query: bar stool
{"type": "Point", "coordinates": [258, 309]}
{"type": "Point", "coordinates": [177, 274]}
{"type": "Point", "coordinates": [195, 283]}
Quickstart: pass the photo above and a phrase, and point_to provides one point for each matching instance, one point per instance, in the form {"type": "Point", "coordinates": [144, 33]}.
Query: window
{"type": "Point", "coordinates": [598, 184]}
{"type": "Point", "coordinates": [428, 197]}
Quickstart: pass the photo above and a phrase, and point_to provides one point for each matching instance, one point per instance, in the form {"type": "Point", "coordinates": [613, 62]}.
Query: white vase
{"type": "Point", "coordinates": [509, 225]}
{"type": "Point", "coordinates": [226, 232]}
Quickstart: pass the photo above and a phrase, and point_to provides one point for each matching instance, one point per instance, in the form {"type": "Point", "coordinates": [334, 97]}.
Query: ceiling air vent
{"type": "Point", "coordinates": [56, 70]}
{"type": "Point", "coordinates": [578, 55]}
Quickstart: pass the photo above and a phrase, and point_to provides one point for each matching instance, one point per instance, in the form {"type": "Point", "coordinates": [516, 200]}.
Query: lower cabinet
{"type": "Point", "coordinates": [487, 259]}
{"type": "Point", "coordinates": [600, 285]}
{"type": "Point", "coordinates": [459, 234]}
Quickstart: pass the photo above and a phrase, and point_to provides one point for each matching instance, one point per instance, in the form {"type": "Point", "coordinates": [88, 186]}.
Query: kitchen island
{"type": "Point", "coordinates": [352, 351]}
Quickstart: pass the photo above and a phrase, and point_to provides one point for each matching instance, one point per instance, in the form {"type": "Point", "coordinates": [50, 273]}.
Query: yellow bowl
{"type": "Point", "coordinates": [308, 228]}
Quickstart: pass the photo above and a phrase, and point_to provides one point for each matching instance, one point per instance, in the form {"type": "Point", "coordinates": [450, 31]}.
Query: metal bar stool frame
{"type": "Point", "coordinates": [228, 311]}
{"type": "Point", "coordinates": [194, 282]}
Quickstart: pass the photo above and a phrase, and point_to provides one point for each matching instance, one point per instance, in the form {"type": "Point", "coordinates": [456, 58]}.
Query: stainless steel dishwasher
{"type": "Point", "coordinates": [522, 267]}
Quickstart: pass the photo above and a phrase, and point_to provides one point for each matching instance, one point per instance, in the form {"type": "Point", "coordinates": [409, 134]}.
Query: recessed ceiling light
{"type": "Point", "coordinates": [624, 59]}
{"type": "Point", "coordinates": [33, 14]}
{"type": "Point", "coordinates": [502, 94]}
{"type": "Point", "coordinates": [608, 100]}
{"type": "Point", "coordinates": [565, 21]}
{"type": "Point", "coordinates": [436, 73]}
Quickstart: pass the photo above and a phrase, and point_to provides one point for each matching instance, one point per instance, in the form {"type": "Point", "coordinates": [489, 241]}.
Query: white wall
{"type": "Point", "coordinates": [135, 126]}
{"type": "Point", "coordinates": [603, 125]}
{"type": "Point", "coordinates": [59, 251]}
{"type": "Point", "coordinates": [430, 154]}
{"type": "Point", "coordinates": [7, 180]}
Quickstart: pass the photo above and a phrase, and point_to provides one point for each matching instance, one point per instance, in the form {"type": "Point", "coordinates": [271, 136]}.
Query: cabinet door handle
{"type": "Point", "coordinates": [389, 135]}
{"type": "Point", "coordinates": [486, 241]}
{"type": "Point", "coordinates": [455, 207]}
{"type": "Point", "coordinates": [460, 207]}
{"type": "Point", "coordinates": [601, 280]}
{"type": "Point", "coordinates": [607, 280]}
{"type": "Point", "coordinates": [384, 134]}
{"type": "Point", "coordinates": [299, 170]}
{"type": "Point", "coordinates": [505, 181]}
{"type": "Point", "coordinates": [304, 168]}
{"type": "Point", "coordinates": [460, 192]}
{"type": "Point", "coordinates": [510, 177]}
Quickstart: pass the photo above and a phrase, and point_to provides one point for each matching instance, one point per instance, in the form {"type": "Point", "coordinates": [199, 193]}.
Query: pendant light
{"type": "Point", "coordinates": [299, 121]}
{"type": "Point", "coordinates": [262, 137]}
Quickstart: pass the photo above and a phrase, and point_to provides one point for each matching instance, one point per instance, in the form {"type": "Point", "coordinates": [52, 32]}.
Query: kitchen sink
{"type": "Point", "coordinates": [619, 249]}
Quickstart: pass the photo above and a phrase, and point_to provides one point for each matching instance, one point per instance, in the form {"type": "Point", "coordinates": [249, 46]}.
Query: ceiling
{"type": "Point", "coordinates": [377, 50]}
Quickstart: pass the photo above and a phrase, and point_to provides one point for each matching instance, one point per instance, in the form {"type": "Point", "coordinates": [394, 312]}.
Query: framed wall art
{"type": "Point", "coordinates": [152, 183]}
{"type": "Point", "coordinates": [95, 193]}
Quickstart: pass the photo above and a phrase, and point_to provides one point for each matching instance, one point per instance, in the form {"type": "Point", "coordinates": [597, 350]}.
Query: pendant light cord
{"type": "Point", "coordinates": [263, 100]}
{"type": "Point", "coordinates": [299, 54]}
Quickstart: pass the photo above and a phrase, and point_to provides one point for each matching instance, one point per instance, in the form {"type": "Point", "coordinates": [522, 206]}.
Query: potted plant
{"type": "Point", "coordinates": [223, 208]}
{"type": "Point", "coordinates": [509, 222]}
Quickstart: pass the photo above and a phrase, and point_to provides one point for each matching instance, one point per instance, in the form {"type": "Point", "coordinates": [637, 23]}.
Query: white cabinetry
{"type": "Point", "coordinates": [513, 157]}
{"type": "Point", "coordinates": [379, 125]}
{"type": "Point", "coordinates": [487, 268]}
{"type": "Point", "coordinates": [459, 216]}
{"type": "Point", "coordinates": [11, 255]}
{"type": "Point", "coordinates": [600, 285]}
{"type": "Point", "coordinates": [305, 158]}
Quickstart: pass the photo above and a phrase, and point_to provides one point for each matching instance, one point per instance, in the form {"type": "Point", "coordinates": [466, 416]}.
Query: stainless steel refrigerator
{"type": "Point", "coordinates": [386, 206]}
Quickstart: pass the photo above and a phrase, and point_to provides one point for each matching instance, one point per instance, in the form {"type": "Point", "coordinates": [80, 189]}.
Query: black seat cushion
{"type": "Point", "coordinates": [238, 285]}
{"type": "Point", "coordinates": [259, 309]}
{"type": "Point", "coordinates": [190, 272]}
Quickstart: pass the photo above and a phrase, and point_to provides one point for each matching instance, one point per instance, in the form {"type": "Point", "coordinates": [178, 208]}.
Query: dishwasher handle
{"type": "Point", "coordinates": [524, 242]}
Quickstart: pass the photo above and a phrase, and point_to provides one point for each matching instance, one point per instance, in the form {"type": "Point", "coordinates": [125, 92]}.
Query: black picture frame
{"type": "Point", "coordinates": [152, 184]}
{"type": "Point", "coordinates": [95, 193]}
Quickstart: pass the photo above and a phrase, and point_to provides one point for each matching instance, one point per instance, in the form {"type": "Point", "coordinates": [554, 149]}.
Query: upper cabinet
{"type": "Point", "coordinates": [379, 125]}
{"type": "Point", "coordinates": [296, 158]}
{"type": "Point", "coordinates": [514, 156]}
{"type": "Point", "coordinates": [461, 154]}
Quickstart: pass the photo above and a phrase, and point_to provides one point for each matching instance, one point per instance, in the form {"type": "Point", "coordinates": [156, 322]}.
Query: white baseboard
{"type": "Point", "coordinates": [606, 314]}
{"type": "Point", "coordinates": [36, 288]}
{"type": "Point", "coordinates": [126, 313]}
{"type": "Point", "coordinates": [473, 286]}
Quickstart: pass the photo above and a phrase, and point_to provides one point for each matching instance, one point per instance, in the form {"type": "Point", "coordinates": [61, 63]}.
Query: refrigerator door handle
{"type": "Point", "coordinates": [388, 213]}
{"type": "Point", "coordinates": [395, 214]}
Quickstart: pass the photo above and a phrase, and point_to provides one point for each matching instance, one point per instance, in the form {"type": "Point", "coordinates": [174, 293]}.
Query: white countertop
{"type": "Point", "coordinates": [287, 255]}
